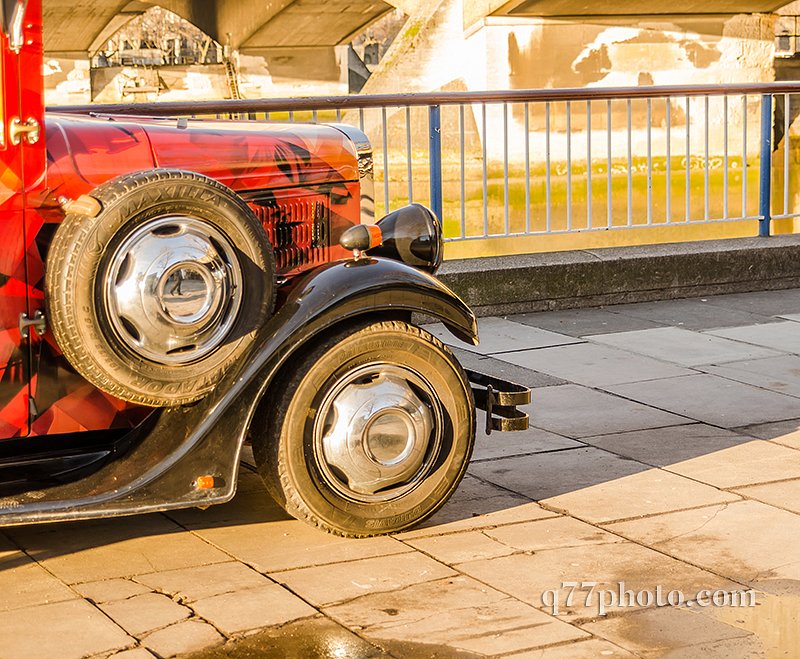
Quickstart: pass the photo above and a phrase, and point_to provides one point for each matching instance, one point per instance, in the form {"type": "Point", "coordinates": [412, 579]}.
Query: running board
{"type": "Point", "coordinates": [499, 399]}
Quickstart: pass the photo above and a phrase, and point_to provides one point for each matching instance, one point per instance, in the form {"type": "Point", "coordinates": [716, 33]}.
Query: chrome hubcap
{"type": "Point", "coordinates": [377, 431]}
{"type": "Point", "coordinates": [174, 289]}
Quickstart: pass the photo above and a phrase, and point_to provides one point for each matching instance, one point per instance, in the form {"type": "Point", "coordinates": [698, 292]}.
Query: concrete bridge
{"type": "Point", "coordinates": [456, 44]}
{"type": "Point", "coordinates": [293, 38]}
{"type": "Point", "coordinates": [79, 27]}
{"type": "Point", "coordinates": [75, 28]}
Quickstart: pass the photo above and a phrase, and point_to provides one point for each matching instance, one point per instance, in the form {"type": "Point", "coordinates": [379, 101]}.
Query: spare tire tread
{"type": "Point", "coordinates": [67, 268]}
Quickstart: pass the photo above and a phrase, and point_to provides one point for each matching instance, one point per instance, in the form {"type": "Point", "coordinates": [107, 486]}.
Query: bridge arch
{"type": "Point", "coordinates": [75, 28]}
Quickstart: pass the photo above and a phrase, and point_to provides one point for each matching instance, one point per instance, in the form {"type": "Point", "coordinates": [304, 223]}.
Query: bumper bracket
{"type": "Point", "coordinates": [499, 399]}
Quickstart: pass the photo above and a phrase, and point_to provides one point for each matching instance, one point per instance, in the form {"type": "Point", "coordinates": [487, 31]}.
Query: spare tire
{"type": "Point", "coordinates": [156, 284]}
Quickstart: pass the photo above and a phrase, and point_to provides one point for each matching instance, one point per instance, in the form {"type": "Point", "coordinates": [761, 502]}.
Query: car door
{"type": "Point", "coordinates": [21, 171]}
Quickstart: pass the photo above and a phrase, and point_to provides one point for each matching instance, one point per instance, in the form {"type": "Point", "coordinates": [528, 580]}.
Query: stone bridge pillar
{"type": "Point", "coordinates": [455, 46]}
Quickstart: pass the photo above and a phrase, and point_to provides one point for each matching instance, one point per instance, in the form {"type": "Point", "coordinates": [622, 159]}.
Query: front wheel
{"type": "Point", "coordinates": [368, 433]}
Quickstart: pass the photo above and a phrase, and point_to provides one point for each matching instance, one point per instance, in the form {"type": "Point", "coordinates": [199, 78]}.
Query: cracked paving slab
{"type": "Point", "coordinates": [528, 576]}
{"type": "Point", "coordinates": [597, 485]}
{"type": "Point", "coordinates": [664, 630]}
{"type": "Point", "coordinates": [197, 583]}
{"type": "Point", "coordinates": [183, 637]}
{"type": "Point", "coordinates": [645, 493]}
{"type": "Point", "coordinates": [740, 540]}
{"type": "Point", "coordinates": [461, 547]}
{"type": "Point", "coordinates": [553, 533]}
{"type": "Point", "coordinates": [327, 585]}
{"type": "Point", "coordinates": [575, 411]}
{"type": "Point", "coordinates": [532, 536]}
{"type": "Point", "coordinates": [500, 335]}
{"type": "Point", "coordinates": [785, 494]}
{"type": "Point", "coordinates": [457, 612]}
{"type": "Point", "coordinates": [110, 590]}
{"type": "Point", "coordinates": [711, 399]}
{"type": "Point", "coordinates": [107, 549]}
{"type": "Point", "coordinates": [68, 630]}
{"type": "Point", "coordinates": [145, 613]}
{"type": "Point", "coordinates": [252, 608]}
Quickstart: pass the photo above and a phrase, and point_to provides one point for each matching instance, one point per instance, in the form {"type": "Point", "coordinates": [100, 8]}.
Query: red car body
{"type": "Point", "coordinates": [294, 176]}
{"type": "Point", "coordinates": [70, 450]}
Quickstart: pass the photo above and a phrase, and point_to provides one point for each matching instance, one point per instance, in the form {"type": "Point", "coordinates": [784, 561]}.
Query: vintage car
{"type": "Point", "coordinates": [171, 287]}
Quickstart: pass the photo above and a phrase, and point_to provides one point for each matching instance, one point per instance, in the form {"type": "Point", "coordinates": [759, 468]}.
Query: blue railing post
{"type": "Point", "coordinates": [765, 167]}
{"type": "Point", "coordinates": [435, 152]}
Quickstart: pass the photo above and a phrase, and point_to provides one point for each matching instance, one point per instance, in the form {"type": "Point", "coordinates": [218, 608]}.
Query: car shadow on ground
{"type": "Point", "coordinates": [508, 478]}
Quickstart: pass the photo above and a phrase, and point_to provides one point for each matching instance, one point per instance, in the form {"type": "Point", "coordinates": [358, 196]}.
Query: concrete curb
{"type": "Point", "coordinates": [618, 275]}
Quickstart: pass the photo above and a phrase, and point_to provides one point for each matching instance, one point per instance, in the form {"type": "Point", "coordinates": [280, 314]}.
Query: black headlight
{"type": "Point", "coordinates": [412, 234]}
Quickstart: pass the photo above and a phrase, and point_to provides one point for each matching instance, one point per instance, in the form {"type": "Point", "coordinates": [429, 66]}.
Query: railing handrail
{"type": "Point", "coordinates": [690, 122]}
{"type": "Point", "coordinates": [308, 103]}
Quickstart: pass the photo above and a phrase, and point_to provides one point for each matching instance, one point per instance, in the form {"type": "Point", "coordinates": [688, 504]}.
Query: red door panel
{"type": "Point", "coordinates": [14, 354]}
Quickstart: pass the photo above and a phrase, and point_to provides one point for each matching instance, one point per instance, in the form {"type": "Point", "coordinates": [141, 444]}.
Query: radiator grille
{"type": "Point", "coordinates": [298, 229]}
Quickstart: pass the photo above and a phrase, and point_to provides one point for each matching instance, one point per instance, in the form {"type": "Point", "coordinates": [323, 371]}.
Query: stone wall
{"type": "Point", "coordinates": [625, 52]}
{"type": "Point", "coordinates": [66, 81]}
{"type": "Point", "coordinates": [535, 54]}
{"type": "Point", "coordinates": [434, 52]}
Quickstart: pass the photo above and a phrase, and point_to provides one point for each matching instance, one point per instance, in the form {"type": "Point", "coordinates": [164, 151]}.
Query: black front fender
{"type": "Point", "coordinates": [163, 469]}
{"type": "Point", "coordinates": [354, 288]}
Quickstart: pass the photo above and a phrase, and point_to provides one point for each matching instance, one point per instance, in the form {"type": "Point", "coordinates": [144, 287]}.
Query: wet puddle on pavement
{"type": "Point", "coordinates": [324, 639]}
{"type": "Point", "coordinates": [767, 630]}
{"type": "Point", "coordinates": [774, 620]}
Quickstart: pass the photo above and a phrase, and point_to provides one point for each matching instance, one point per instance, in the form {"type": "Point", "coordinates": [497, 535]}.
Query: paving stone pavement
{"type": "Point", "coordinates": [661, 470]}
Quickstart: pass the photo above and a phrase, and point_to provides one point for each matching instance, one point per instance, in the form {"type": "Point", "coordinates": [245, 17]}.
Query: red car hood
{"type": "Point", "coordinates": [84, 152]}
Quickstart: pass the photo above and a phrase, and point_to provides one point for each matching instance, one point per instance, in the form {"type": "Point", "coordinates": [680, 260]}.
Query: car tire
{"type": "Point", "coordinates": [369, 432]}
{"type": "Point", "coordinates": [156, 283]}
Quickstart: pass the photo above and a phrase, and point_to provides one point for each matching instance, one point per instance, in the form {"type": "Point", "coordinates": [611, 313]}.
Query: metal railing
{"type": "Point", "coordinates": [513, 164]}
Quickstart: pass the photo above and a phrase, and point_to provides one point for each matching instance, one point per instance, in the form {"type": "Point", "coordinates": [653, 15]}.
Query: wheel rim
{"type": "Point", "coordinates": [173, 290]}
{"type": "Point", "coordinates": [378, 432]}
